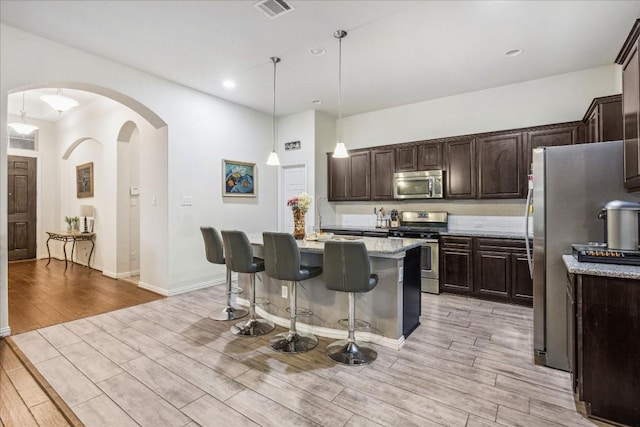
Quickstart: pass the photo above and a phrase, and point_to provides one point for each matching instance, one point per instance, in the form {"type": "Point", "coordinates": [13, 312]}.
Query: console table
{"type": "Point", "coordinates": [65, 237]}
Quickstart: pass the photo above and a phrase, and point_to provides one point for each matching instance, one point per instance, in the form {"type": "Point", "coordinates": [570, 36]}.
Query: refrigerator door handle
{"type": "Point", "coordinates": [527, 207]}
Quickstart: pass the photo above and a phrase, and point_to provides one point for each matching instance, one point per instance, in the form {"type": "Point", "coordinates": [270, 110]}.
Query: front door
{"type": "Point", "coordinates": [21, 207]}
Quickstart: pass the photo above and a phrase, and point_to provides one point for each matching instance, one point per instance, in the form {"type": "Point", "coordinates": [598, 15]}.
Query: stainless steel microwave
{"type": "Point", "coordinates": [418, 185]}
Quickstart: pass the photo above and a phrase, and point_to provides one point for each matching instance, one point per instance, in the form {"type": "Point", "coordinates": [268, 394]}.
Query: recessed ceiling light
{"type": "Point", "coordinates": [317, 51]}
{"type": "Point", "coordinates": [229, 84]}
{"type": "Point", "coordinates": [513, 52]}
{"type": "Point", "coordinates": [316, 101]}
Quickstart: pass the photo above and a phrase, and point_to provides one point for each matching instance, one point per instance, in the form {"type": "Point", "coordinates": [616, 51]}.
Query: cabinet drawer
{"type": "Point", "coordinates": [489, 244]}
{"type": "Point", "coordinates": [450, 242]}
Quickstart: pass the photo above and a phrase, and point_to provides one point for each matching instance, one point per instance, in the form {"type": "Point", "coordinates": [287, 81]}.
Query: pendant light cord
{"type": "Point", "coordinates": [340, 89]}
{"type": "Point", "coordinates": [275, 61]}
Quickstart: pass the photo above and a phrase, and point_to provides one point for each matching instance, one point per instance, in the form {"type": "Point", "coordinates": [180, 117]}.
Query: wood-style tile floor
{"type": "Point", "coordinates": [42, 296]}
{"type": "Point", "coordinates": [165, 363]}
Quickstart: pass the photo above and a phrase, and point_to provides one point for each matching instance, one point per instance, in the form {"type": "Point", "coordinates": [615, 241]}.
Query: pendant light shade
{"type": "Point", "coordinates": [273, 159]}
{"type": "Point", "coordinates": [340, 150]}
{"type": "Point", "coordinates": [21, 127]}
{"type": "Point", "coordinates": [59, 102]}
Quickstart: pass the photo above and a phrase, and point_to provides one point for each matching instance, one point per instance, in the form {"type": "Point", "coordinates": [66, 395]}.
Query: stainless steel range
{"type": "Point", "coordinates": [424, 225]}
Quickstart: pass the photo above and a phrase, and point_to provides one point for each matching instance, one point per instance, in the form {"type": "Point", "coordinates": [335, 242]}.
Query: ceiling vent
{"type": "Point", "coordinates": [273, 8]}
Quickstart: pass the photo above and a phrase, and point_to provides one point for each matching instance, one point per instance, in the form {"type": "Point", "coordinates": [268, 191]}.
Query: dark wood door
{"type": "Point", "coordinates": [460, 165]}
{"type": "Point", "coordinates": [406, 160]}
{"type": "Point", "coordinates": [603, 119]}
{"type": "Point", "coordinates": [360, 175]}
{"type": "Point", "coordinates": [456, 272]}
{"type": "Point", "coordinates": [631, 111]}
{"type": "Point", "coordinates": [521, 281]}
{"type": "Point", "coordinates": [338, 177]}
{"type": "Point", "coordinates": [21, 207]}
{"type": "Point", "coordinates": [492, 274]}
{"type": "Point", "coordinates": [383, 165]}
{"type": "Point", "coordinates": [429, 156]}
{"type": "Point", "coordinates": [500, 169]}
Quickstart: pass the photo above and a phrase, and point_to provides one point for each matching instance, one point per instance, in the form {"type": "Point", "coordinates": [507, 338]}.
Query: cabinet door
{"type": "Point", "coordinates": [460, 164]}
{"type": "Point", "coordinates": [500, 167]}
{"type": "Point", "coordinates": [631, 112]}
{"type": "Point", "coordinates": [456, 271]}
{"type": "Point", "coordinates": [492, 274]}
{"type": "Point", "coordinates": [382, 169]}
{"type": "Point", "coordinates": [406, 160]}
{"type": "Point", "coordinates": [550, 137]}
{"type": "Point", "coordinates": [521, 282]}
{"type": "Point", "coordinates": [610, 126]}
{"type": "Point", "coordinates": [359, 177]}
{"type": "Point", "coordinates": [338, 178]}
{"type": "Point", "coordinates": [429, 156]}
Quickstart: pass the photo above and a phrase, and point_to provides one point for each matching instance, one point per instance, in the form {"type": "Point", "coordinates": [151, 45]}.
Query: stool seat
{"type": "Point", "coordinates": [347, 268]}
{"type": "Point", "coordinates": [282, 262]}
{"type": "Point", "coordinates": [241, 260]}
{"type": "Point", "coordinates": [214, 250]}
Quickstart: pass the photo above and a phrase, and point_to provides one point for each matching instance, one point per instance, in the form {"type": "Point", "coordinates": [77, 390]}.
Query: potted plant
{"type": "Point", "coordinates": [75, 222]}
{"type": "Point", "coordinates": [67, 219]}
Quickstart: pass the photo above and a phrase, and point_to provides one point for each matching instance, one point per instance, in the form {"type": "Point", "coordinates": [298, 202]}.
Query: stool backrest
{"type": "Point", "coordinates": [213, 245]}
{"type": "Point", "coordinates": [347, 267]}
{"type": "Point", "coordinates": [281, 256]}
{"type": "Point", "coordinates": [238, 250]}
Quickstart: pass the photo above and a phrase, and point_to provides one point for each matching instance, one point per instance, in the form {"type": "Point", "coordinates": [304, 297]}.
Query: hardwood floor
{"type": "Point", "coordinates": [165, 363]}
{"type": "Point", "coordinates": [41, 296]}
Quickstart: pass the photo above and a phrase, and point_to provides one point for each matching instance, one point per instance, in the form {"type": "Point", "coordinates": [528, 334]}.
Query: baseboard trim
{"type": "Point", "coordinates": [182, 290]}
{"type": "Point", "coordinates": [5, 332]}
{"type": "Point", "coordinates": [395, 344]}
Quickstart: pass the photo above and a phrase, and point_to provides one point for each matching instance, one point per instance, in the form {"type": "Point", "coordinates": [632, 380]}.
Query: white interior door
{"type": "Point", "coordinates": [294, 182]}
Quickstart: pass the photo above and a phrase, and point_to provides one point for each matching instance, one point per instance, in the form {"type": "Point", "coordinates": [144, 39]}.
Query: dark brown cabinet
{"type": "Point", "coordinates": [460, 166]}
{"type": "Point", "coordinates": [406, 158]}
{"type": "Point", "coordinates": [383, 164]}
{"type": "Point", "coordinates": [349, 178]}
{"type": "Point", "coordinates": [429, 156]}
{"type": "Point", "coordinates": [491, 268]}
{"type": "Point", "coordinates": [603, 119]}
{"type": "Point", "coordinates": [629, 58]}
{"type": "Point", "coordinates": [606, 362]}
{"type": "Point", "coordinates": [456, 265]}
{"type": "Point", "coordinates": [500, 166]}
{"type": "Point", "coordinates": [551, 136]}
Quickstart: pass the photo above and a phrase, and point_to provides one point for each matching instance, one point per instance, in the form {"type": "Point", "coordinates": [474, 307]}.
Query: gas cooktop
{"type": "Point", "coordinates": [601, 254]}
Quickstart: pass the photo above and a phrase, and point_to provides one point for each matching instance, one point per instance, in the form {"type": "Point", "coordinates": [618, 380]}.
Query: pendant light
{"type": "Point", "coordinates": [273, 157]}
{"type": "Point", "coordinates": [59, 102]}
{"type": "Point", "coordinates": [23, 128]}
{"type": "Point", "coordinates": [340, 150]}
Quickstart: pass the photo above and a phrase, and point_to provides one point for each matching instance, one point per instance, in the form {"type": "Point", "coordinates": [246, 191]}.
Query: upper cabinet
{"type": "Point", "coordinates": [629, 58]}
{"type": "Point", "coordinates": [349, 178]}
{"type": "Point", "coordinates": [500, 166]}
{"type": "Point", "coordinates": [419, 156]}
{"type": "Point", "coordinates": [383, 164]}
{"type": "Point", "coordinates": [603, 119]}
{"type": "Point", "coordinates": [460, 166]}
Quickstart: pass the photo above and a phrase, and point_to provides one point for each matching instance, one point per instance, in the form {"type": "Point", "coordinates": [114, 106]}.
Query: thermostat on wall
{"type": "Point", "coordinates": [134, 191]}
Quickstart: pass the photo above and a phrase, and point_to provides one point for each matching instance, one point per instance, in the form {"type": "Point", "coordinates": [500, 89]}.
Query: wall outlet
{"type": "Point", "coordinates": [478, 225]}
{"type": "Point", "coordinates": [285, 291]}
{"type": "Point", "coordinates": [134, 256]}
{"type": "Point", "coordinates": [186, 201]}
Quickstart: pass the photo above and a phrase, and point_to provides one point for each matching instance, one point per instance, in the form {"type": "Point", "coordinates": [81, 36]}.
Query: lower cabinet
{"type": "Point", "coordinates": [495, 269]}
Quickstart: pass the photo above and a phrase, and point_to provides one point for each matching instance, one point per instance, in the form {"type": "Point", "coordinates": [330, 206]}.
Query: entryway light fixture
{"type": "Point", "coordinates": [340, 150]}
{"type": "Point", "coordinates": [59, 102]}
{"type": "Point", "coordinates": [273, 157]}
{"type": "Point", "coordinates": [22, 128]}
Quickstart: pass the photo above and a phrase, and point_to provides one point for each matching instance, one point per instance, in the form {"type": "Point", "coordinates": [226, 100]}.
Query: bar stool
{"type": "Point", "coordinates": [282, 261]}
{"type": "Point", "coordinates": [214, 250]}
{"type": "Point", "coordinates": [240, 259]}
{"type": "Point", "coordinates": [347, 269]}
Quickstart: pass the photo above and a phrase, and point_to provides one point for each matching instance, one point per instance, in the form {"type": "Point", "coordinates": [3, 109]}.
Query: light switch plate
{"type": "Point", "coordinates": [285, 291]}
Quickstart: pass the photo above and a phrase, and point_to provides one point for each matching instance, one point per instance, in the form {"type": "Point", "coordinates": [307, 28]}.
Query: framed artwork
{"type": "Point", "coordinates": [84, 180]}
{"type": "Point", "coordinates": [239, 179]}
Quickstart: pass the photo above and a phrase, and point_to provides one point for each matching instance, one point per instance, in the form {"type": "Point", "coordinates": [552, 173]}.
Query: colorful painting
{"type": "Point", "coordinates": [239, 179]}
{"type": "Point", "coordinates": [84, 180]}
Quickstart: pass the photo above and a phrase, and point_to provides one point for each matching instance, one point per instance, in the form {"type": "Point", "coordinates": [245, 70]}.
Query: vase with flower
{"type": "Point", "coordinates": [299, 206]}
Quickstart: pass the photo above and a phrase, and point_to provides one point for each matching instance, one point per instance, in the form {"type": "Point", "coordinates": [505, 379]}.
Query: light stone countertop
{"type": "Point", "coordinates": [598, 269]}
{"type": "Point", "coordinates": [376, 246]}
{"type": "Point", "coordinates": [485, 233]}
{"type": "Point", "coordinates": [359, 228]}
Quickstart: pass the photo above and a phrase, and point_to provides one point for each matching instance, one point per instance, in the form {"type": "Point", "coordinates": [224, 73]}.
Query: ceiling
{"type": "Point", "coordinates": [396, 52]}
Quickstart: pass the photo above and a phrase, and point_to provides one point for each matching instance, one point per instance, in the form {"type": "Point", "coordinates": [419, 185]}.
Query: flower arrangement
{"type": "Point", "coordinates": [301, 202]}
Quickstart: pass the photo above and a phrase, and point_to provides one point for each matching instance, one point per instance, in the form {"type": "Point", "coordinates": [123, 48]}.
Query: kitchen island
{"type": "Point", "coordinates": [392, 308]}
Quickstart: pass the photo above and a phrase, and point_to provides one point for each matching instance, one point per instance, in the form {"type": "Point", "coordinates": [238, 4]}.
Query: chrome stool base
{"type": "Point", "coordinates": [252, 328]}
{"type": "Point", "coordinates": [288, 342]}
{"type": "Point", "coordinates": [229, 313]}
{"type": "Point", "coordinates": [350, 353]}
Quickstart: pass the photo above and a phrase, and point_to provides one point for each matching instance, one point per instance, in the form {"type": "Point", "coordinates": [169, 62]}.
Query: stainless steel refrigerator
{"type": "Point", "coordinates": [571, 184]}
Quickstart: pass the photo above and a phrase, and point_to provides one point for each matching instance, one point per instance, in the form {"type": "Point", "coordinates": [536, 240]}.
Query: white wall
{"type": "Point", "coordinates": [200, 129]}
{"type": "Point", "coordinates": [325, 143]}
